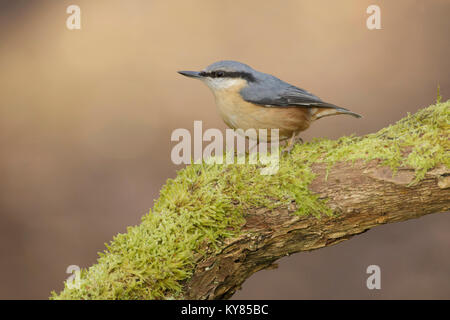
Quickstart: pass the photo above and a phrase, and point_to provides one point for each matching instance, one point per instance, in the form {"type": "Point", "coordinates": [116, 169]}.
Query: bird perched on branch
{"type": "Point", "coordinates": [249, 99]}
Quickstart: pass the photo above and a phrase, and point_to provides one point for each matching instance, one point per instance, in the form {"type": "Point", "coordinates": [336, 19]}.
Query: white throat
{"type": "Point", "coordinates": [221, 83]}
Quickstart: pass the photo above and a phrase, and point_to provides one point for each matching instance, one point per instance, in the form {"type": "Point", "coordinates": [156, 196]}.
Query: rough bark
{"type": "Point", "coordinates": [362, 196]}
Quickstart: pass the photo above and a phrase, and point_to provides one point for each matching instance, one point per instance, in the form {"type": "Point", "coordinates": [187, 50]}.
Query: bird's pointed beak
{"type": "Point", "coordinates": [190, 74]}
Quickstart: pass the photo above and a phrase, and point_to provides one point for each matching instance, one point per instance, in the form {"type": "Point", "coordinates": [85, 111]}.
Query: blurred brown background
{"type": "Point", "coordinates": [86, 118]}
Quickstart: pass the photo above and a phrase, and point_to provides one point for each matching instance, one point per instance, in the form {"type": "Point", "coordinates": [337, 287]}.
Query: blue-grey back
{"type": "Point", "coordinates": [270, 90]}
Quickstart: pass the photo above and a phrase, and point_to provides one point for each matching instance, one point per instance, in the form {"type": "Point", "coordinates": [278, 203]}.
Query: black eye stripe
{"type": "Point", "coordinates": [228, 74]}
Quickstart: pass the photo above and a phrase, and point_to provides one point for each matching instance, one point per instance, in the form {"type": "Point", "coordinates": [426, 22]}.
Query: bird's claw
{"type": "Point", "coordinates": [291, 143]}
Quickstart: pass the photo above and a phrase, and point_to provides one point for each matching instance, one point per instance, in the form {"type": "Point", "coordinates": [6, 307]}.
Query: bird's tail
{"type": "Point", "coordinates": [325, 109]}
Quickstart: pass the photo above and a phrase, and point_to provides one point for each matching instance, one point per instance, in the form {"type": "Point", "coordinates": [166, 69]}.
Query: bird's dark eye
{"type": "Point", "coordinates": [219, 74]}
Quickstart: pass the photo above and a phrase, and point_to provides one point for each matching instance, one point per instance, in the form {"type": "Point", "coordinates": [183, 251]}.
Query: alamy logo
{"type": "Point", "coordinates": [374, 280]}
{"type": "Point", "coordinates": [73, 281]}
{"type": "Point", "coordinates": [73, 22]}
{"type": "Point", "coordinates": [374, 20]}
{"type": "Point", "coordinates": [213, 152]}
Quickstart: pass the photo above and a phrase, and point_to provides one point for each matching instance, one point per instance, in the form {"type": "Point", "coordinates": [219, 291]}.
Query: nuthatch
{"type": "Point", "coordinates": [249, 99]}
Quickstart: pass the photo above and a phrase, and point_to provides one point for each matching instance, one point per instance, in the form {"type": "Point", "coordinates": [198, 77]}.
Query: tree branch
{"type": "Point", "coordinates": [214, 226]}
{"type": "Point", "coordinates": [362, 196]}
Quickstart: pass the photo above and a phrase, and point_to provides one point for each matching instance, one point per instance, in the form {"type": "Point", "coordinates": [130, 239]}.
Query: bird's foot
{"type": "Point", "coordinates": [291, 143]}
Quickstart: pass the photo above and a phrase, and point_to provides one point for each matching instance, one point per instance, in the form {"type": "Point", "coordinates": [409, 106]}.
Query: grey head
{"type": "Point", "coordinates": [261, 88]}
{"type": "Point", "coordinates": [224, 74]}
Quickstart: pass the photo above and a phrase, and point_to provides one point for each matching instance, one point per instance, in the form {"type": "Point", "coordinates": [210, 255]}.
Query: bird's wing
{"type": "Point", "coordinates": [273, 92]}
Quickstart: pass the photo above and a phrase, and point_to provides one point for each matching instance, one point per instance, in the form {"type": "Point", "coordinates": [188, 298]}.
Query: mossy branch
{"type": "Point", "coordinates": [215, 225]}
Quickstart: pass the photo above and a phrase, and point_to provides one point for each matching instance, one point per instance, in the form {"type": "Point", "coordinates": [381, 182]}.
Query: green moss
{"type": "Point", "coordinates": [439, 97]}
{"type": "Point", "coordinates": [205, 204]}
